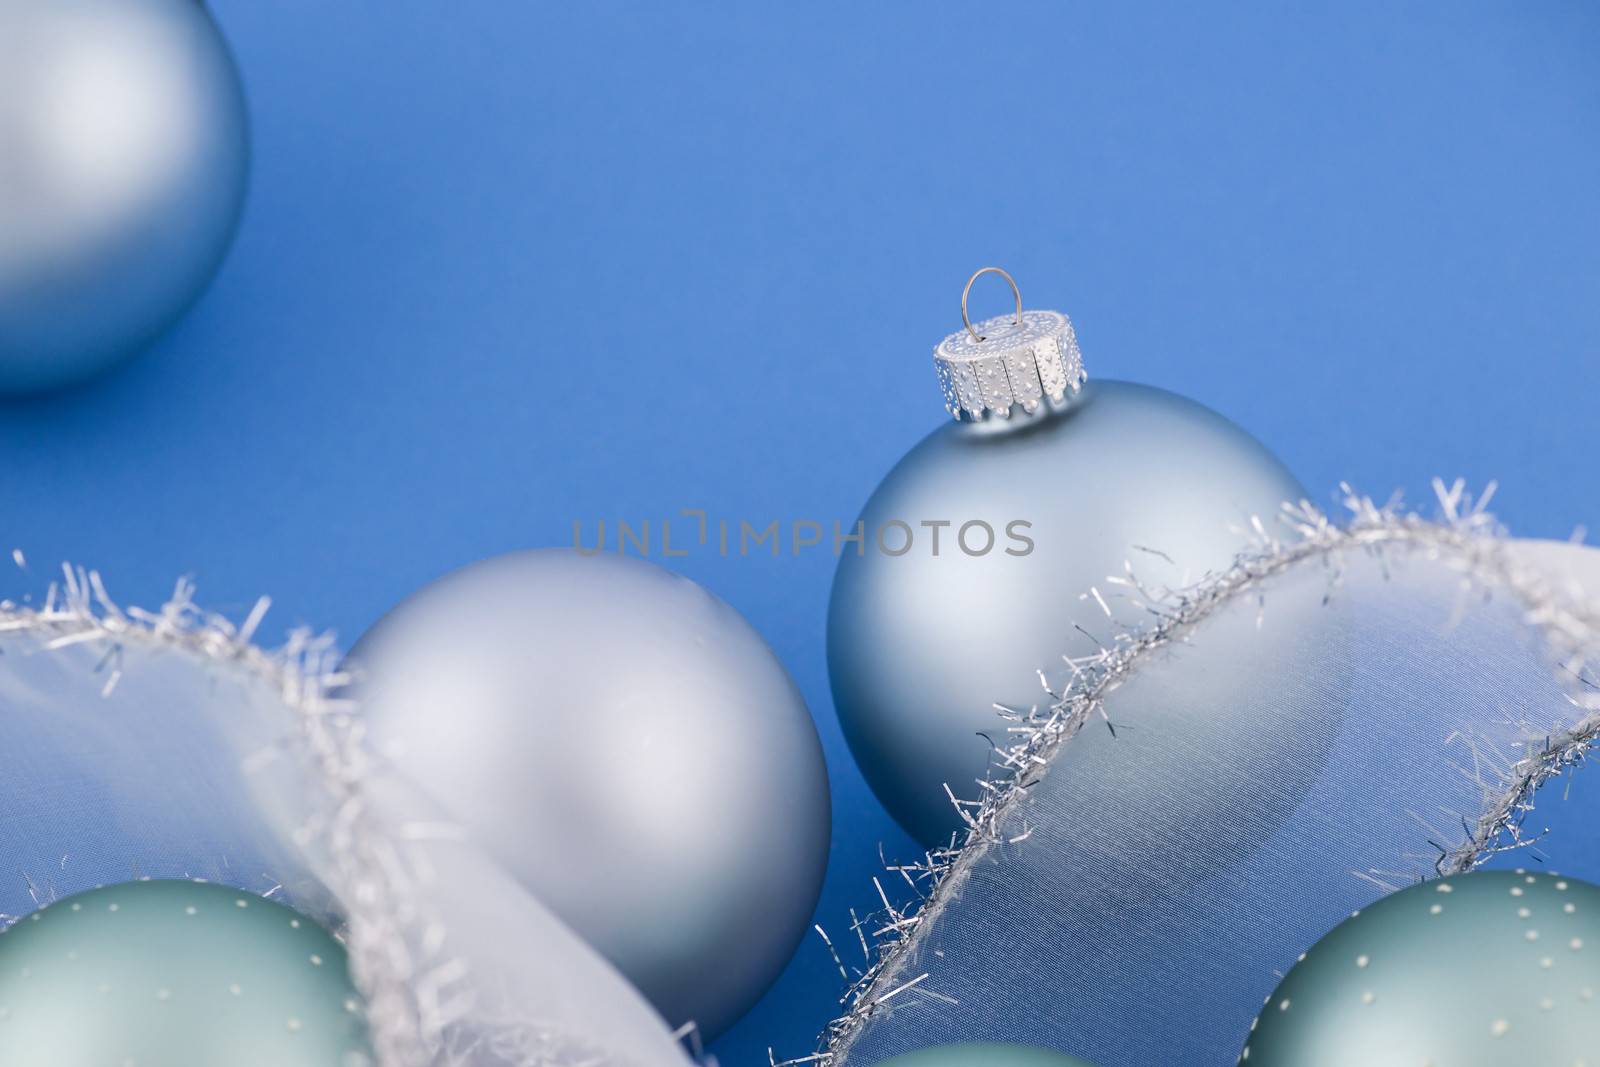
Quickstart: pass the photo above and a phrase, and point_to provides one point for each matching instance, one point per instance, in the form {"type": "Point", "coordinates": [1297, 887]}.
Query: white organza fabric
{"type": "Point", "coordinates": [1143, 870]}
{"type": "Point", "coordinates": [168, 746]}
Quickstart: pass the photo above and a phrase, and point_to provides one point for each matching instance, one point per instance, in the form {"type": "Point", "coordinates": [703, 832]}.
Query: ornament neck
{"type": "Point", "coordinates": [1020, 419]}
{"type": "Point", "coordinates": [1026, 362]}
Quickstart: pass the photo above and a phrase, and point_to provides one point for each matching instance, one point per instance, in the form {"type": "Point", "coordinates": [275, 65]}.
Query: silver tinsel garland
{"type": "Point", "coordinates": [416, 990]}
{"type": "Point", "coordinates": [409, 999]}
{"type": "Point", "coordinates": [1465, 538]}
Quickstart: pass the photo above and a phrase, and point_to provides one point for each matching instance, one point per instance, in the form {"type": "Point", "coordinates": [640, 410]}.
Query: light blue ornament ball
{"type": "Point", "coordinates": [984, 1054]}
{"type": "Point", "coordinates": [123, 161]}
{"type": "Point", "coordinates": [1477, 970]}
{"type": "Point", "coordinates": [923, 643]}
{"type": "Point", "coordinates": [176, 974]}
{"type": "Point", "coordinates": [628, 747]}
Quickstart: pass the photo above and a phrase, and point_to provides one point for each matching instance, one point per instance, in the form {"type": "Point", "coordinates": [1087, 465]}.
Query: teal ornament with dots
{"type": "Point", "coordinates": [1475, 970]}
{"type": "Point", "coordinates": [984, 1054]}
{"type": "Point", "coordinates": [176, 974]}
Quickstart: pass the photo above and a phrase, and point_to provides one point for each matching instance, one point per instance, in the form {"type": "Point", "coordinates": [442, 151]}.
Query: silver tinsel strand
{"type": "Point", "coordinates": [1464, 538]}
{"type": "Point", "coordinates": [410, 997]}
{"type": "Point", "coordinates": [415, 991]}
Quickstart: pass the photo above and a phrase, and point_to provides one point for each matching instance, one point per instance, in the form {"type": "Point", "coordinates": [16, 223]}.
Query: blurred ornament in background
{"type": "Point", "coordinates": [1475, 970]}
{"type": "Point", "coordinates": [923, 643]}
{"type": "Point", "coordinates": [182, 974]}
{"type": "Point", "coordinates": [629, 748]}
{"type": "Point", "coordinates": [123, 158]}
{"type": "Point", "coordinates": [984, 1054]}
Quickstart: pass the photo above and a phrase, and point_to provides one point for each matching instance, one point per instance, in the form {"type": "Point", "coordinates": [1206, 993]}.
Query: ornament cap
{"type": "Point", "coordinates": [1017, 359]}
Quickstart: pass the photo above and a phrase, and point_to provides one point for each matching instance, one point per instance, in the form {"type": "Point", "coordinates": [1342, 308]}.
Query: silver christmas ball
{"type": "Point", "coordinates": [1475, 970]}
{"type": "Point", "coordinates": [177, 974]}
{"type": "Point", "coordinates": [123, 158]}
{"type": "Point", "coordinates": [982, 543]}
{"type": "Point", "coordinates": [983, 1054]}
{"type": "Point", "coordinates": [629, 748]}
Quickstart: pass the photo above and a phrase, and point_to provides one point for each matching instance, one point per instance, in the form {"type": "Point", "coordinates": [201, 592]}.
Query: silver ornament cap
{"type": "Point", "coordinates": [1016, 359]}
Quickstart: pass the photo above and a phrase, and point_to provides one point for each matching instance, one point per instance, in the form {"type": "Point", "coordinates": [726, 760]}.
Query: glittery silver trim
{"type": "Point", "coordinates": [1014, 364]}
{"type": "Point", "coordinates": [417, 995]}
{"type": "Point", "coordinates": [1465, 539]}
{"type": "Point", "coordinates": [374, 887]}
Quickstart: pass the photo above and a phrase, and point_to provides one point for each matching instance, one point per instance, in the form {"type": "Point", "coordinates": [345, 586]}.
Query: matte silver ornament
{"type": "Point", "coordinates": [123, 160]}
{"type": "Point", "coordinates": [923, 644]}
{"type": "Point", "coordinates": [629, 748]}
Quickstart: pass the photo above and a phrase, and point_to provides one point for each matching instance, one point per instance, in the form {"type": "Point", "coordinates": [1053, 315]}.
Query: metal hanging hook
{"type": "Point", "coordinates": [980, 273]}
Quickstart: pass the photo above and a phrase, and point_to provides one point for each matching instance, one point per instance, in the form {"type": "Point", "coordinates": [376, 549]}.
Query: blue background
{"type": "Point", "coordinates": [508, 265]}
